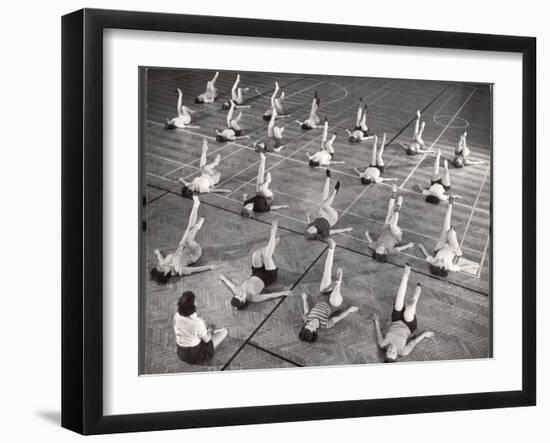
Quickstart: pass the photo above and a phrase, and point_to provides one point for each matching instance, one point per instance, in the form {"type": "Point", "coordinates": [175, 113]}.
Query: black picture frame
{"type": "Point", "coordinates": [82, 219]}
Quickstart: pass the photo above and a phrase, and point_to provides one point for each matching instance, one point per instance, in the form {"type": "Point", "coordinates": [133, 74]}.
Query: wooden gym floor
{"type": "Point", "coordinates": [265, 335]}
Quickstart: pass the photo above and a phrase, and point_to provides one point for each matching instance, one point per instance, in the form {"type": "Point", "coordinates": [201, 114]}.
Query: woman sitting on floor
{"type": "Point", "coordinates": [439, 186]}
{"type": "Point", "coordinates": [264, 274]}
{"type": "Point", "coordinates": [361, 131]}
{"type": "Point", "coordinates": [391, 233]}
{"type": "Point", "coordinates": [404, 323]}
{"type": "Point", "coordinates": [184, 115]}
{"type": "Point", "coordinates": [321, 227]}
{"type": "Point", "coordinates": [211, 93]}
{"type": "Point", "coordinates": [447, 252]}
{"type": "Point", "coordinates": [195, 342]}
{"type": "Point", "coordinates": [233, 131]}
{"type": "Point", "coordinates": [417, 146]}
{"type": "Point", "coordinates": [277, 103]}
{"type": "Point", "coordinates": [325, 313]}
{"type": "Point", "coordinates": [274, 142]}
{"type": "Point", "coordinates": [462, 155]}
{"type": "Point", "coordinates": [209, 178]}
{"type": "Point", "coordinates": [236, 94]}
{"type": "Point", "coordinates": [188, 252]}
{"type": "Point", "coordinates": [313, 120]}
{"type": "Point", "coordinates": [324, 157]}
{"type": "Point", "coordinates": [263, 200]}
{"type": "Point", "coordinates": [373, 173]}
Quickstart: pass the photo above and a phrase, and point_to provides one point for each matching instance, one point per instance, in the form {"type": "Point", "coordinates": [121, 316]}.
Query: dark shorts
{"type": "Point", "coordinates": [440, 182]}
{"type": "Point", "coordinates": [411, 151]}
{"type": "Point", "coordinates": [306, 127]}
{"type": "Point", "coordinates": [196, 354]}
{"type": "Point", "coordinates": [365, 133]}
{"type": "Point", "coordinates": [314, 164]}
{"type": "Point", "coordinates": [260, 203]}
{"type": "Point", "coordinates": [268, 276]}
{"type": "Point", "coordinates": [380, 168]}
{"type": "Point", "coordinates": [399, 316]}
{"type": "Point", "coordinates": [237, 132]}
{"type": "Point", "coordinates": [199, 100]}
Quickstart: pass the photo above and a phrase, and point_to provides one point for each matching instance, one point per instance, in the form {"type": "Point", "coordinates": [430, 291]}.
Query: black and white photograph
{"type": "Point", "coordinates": [297, 220]}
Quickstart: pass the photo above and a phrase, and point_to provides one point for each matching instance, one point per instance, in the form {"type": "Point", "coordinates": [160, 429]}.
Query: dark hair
{"type": "Point", "coordinates": [313, 163]}
{"type": "Point", "coordinates": [382, 258]}
{"type": "Point", "coordinates": [352, 139]}
{"type": "Point", "coordinates": [186, 192]}
{"type": "Point", "coordinates": [305, 127]}
{"type": "Point", "coordinates": [186, 304]}
{"type": "Point", "coordinates": [238, 304]}
{"type": "Point", "coordinates": [198, 100]}
{"type": "Point", "coordinates": [220, 138]}
{"type": "Point", "coordinates": [433, 199]}
{"type": "Point", "coordinates": [170, 125]}
{"type": "Point", "coordinates": [389, 360]}
{"type": "Point", "coordinates": [458, 162]}
{"type": "Point", "coordinates": [366, 181]}
{"type": "Point", "coordinates": [160, 276]}
{"type": "Point", "coordinates": [438, 270]}
{"type": "Point", "coordinates": [308, 335]}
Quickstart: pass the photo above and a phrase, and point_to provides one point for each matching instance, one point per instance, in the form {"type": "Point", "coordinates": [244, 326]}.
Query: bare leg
{"type": "Point", "coordinates": [329, 143]}
{"type": "Point", "coordinates": [417, 124]}
{"type": "Point", "coordinates": [326, 188]}
{"type": "Point", "coordinates": [335, 298]}
{"type": "Point", "coordinates": [394, 221]}
{"type": "Point", "coordinates": [210, 168]}
{"type": "Point", "coordinates": [379, 160]}
{"type": "Point", "coordinates": [400, 298]}
{"type": "Point", "coordinates": [267, 253]}
{"type": "Point", "coordinates": [261, 171]}
{"type": "Point", "coordinates": [218, 336]}
{"type": "Point", "coordinates": [446, 226]}
{"type": "Point", "coordinates": [325, 134]}
{"type": "Point", "coordinates": [229, 116]}
{"type": "Point", "coordinates": [234, 123]}
{"type": "Point", "coordinates": [234, 88]}
{"type": "Point", "coordinates": [410, 309]}
{"type": "Point", "coordinates": [363, 123]}
{"type": "Point", "coordinates": [446, 180]}
{"type": "Point", "coordinates": [359, 114]}
{"type": "Point", "coordinates": [418, 137]}
{"type": "Point", "coordinates": [203, 154]}
{"type": "Point", "coordinates": [264, 188]}
{"type": "Point", "coordinates": [313, 111]}
{"type": "Point", "coordinates": [192, 220]}
{"type": "Point", "coordinates": [180, 103]}
{"type": "Point", "coordinates": [326, 281]}
{"type": "Point", "coordinates": [391, 204]}
{"type": "Point", "coordinates": [374, 156]}
{"type": "Point", "coordinates": [435, 175]}
{"type": "Point", "coordinates": [271, 123]}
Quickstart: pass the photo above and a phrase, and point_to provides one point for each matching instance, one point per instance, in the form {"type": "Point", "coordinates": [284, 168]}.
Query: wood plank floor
{"type": "Point", "coordinates": [457, 308]}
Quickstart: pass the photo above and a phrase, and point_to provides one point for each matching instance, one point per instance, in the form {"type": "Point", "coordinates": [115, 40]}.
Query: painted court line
{"type": "Point", "coordinates": [437, 139]}
{"type": "Point", "coordinates": [316, 137]}
{"type": "Point", "coordinates": [475, 204]}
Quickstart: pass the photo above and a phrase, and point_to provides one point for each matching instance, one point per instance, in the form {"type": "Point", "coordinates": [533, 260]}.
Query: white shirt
{"type": "Point", "coordinates": [189, 330]}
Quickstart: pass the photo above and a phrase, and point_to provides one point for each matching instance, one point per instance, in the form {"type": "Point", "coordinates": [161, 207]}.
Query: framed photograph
{"type": "Point", "coordinates": [260, 216]}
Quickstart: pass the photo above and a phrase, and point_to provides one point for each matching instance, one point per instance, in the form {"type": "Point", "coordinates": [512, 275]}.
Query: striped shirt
{"type": "Point", "coordinates": [322, 312]}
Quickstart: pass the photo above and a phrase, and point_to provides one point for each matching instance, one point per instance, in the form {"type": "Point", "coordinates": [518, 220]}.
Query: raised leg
{"type": "Point", "coordinates": [363, 123]}
{"type": "Point", "coordinates": [400, 298]}
{"type": "Point", "coordinates": [435, 175]}
{"type": "Point", "coordinates": [180, 103]}
{"type": "Point", "coordinates": [325, 133]}
{"type": "Point", "coordinates": [202, 163]}
{"type": "Point", "coordinates": [271, 124]}
{"type": "Point", "coordinates": [261, 171]}
{"type": "Point", "coordinates": [410, 309]}
{"type": "Point", "coordinates": [391, 204]}
{"type": "Point", "coordinates": [264, 188]}
{"type": "Point", "coordinates": [380, 153]}
{"type": "Point", "coordinates": [374, 151]}
{"type": "Point", "coordinates": [335, 298]}
{"type": "Point", "coordinates": [267, 253]}
{"type": "Point", "coordinates": [446, 226]}
{"type": "Point", "coordinates": [326, 281]}
{"type": "Point", "coordinates": [326, 188]}
{"type": "Point", "coordinates": [229, 116]}
{"type": "Point", "coordinates": [446, 179]}
{"type": "Point", "coordinates": [359, 114]}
